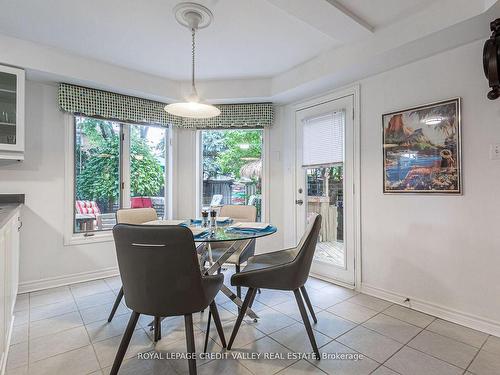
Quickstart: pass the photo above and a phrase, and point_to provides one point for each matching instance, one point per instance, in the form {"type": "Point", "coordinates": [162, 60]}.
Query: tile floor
{"type": "Point", "coordinates": [65, 331]}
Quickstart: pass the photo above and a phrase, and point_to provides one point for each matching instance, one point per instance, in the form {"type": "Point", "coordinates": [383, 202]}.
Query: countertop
{"type": "Point", "coordinates": [7, 210]}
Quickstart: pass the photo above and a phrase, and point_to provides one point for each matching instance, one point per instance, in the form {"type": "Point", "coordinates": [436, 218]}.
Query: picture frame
{"type": "Point", "coordinates": [422, 149]}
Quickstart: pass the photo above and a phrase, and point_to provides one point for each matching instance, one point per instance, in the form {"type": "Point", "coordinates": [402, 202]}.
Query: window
{"type": "Point", "coordinates": [232, 168]}
{"type": "Point", "coordinates": [116, 165]}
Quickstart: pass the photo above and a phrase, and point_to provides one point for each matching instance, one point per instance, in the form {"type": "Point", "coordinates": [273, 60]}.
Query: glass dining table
{"type": "Point", "coordinates": [227, 232]}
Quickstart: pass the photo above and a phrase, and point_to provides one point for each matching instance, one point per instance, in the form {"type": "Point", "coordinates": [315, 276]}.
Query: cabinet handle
{"type": "Point", "coordinates": [20, 226]}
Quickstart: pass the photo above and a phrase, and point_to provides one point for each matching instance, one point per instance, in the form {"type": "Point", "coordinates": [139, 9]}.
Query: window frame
{"type": "Point", "coordinates": [69, 236]}
{"type": "Point", "coordinates": [265, 217]}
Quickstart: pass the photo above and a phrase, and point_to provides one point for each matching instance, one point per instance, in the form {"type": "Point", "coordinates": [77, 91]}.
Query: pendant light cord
{"type": "Point", "coordinates": [193, 32]}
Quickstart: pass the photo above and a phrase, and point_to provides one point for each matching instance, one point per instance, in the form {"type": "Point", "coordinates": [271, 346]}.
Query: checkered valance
{"type": "Point", "coordinates": [103, 104]}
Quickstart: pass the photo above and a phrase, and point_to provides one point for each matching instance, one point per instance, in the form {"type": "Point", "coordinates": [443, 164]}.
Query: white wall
{"type": "Point", "coordinates": [41, 177]}
{"type": "Point", "coordinates": [439, 250]}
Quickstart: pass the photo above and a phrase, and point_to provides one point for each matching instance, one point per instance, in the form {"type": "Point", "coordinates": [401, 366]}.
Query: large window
{"type": "Point", "coordinates": [232, 168]}
{"type": "Point", "coordinates": [116, 165]}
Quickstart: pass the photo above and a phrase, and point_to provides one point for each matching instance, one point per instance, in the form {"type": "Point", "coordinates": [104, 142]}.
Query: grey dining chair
{"type": "Point", "coordinates": [239, 213]}
{"type": "Point", "coordinates": [281, 270]}
{"type": "Point", "coordinates": [131, 216]}
{"type": "Point", "coordinates": [161, 277]}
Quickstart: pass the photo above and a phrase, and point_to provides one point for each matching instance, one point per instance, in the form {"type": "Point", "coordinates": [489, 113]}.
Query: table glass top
{"type": "Point", "coordinates": [222, 232]}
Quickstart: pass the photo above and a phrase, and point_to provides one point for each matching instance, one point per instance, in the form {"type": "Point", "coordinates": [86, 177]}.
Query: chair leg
{"type": "Point", "coordinates": [207, 333]}
{"type": "Point", "coordinates": [250, 294]}
{"type": "Point", "coordinates": [157, 329]}
{"type": "Point", "coordinates": [134, 317]}
{"type": "Point", "coordinates": [305, 319]}
{"type": "Point", "coordinates": [115, 306]}
{"type": "Point", "coordinates": [188, 322]}
{"type": "Point", "coordinates": [218, 324]}
{"type": "Point", "coordinates": [308, 303]}
{"type": "Point", "coordinates": [238, 288]}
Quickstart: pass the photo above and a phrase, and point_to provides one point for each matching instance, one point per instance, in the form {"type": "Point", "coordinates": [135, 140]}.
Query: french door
{"type": "Point", "coordinates": [324, 184]}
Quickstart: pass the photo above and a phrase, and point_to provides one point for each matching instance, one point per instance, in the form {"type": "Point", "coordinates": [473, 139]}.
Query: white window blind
{"type": "Point", "coordinates": [323, 139]}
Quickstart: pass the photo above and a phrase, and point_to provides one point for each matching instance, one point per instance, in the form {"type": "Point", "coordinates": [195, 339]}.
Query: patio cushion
{"type": "Point", "coordinates": [87, 207]}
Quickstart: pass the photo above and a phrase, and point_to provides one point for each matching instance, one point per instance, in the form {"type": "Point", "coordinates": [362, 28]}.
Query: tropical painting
{"type": "Point", "coordinates": [422, 149]}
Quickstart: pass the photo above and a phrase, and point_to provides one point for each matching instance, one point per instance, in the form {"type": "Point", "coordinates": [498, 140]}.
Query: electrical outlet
{"type": "Point", "coordinates": [495, 151]}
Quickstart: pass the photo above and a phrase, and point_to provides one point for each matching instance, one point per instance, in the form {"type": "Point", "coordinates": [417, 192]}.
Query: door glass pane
{"type": "Point", "coordinates": [325, 196]}
{"type": "Point", "coordinates": [97, 174]}
{"type": "Point", "coordinates": [148, 167]}
{"type": "Point", "coordinates": [8, 108]}
{"type": "Point", "coordinates": [232, 168]}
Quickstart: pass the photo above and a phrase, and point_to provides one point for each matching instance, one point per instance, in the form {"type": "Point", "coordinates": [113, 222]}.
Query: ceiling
{"type": "Point", "coordinates": [248, 38]}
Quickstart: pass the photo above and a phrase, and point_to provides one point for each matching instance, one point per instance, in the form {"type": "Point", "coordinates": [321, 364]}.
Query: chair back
{"type": "Point", "coordinates": [136, 215]}
{"type": "Point", "coordinates": [159, 269]}
{"type": "Point", "coordinates": [239, 212]}
{"type": "Point", "coordinates": [305, 251]}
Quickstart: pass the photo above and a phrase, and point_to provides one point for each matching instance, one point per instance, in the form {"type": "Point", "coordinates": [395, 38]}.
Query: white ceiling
{"type": "Point", "coordinates": [248, 39]}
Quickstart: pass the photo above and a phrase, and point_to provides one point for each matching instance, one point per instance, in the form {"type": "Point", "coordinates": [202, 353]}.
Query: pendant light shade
{"type": "Point", "coordinates": [192, 110]}
{"type": "Point", "coordinates": [193, 16]}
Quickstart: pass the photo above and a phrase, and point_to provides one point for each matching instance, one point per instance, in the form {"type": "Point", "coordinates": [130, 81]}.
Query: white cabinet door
{"type": "Point", "coordinates": [3, 333]}
{"type": "Point", "coordinates": [12, 86]}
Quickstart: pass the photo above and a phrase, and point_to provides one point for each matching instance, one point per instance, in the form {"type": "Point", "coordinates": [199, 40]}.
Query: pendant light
{"type": "Point", "coordinates": [193, 16]}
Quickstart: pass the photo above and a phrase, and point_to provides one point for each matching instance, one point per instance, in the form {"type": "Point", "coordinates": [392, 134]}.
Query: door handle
{"type": "Point", "coordinates": [300, 202]}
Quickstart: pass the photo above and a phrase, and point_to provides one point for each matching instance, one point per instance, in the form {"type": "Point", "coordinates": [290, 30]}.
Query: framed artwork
{"type": "Point", "coordinates": [422, 150]}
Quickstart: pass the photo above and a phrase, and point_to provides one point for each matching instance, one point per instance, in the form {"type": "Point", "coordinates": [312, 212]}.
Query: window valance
{"type": "Point", "coordinates": [103, 104]}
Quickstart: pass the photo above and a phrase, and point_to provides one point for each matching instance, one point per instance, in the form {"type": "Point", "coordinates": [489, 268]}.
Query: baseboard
{"type": "Point", "coordinates": [468, 320]}
{"type": "Point", "coordinates": [52, 282]}
{"type": "Point", "coordinates": [5, 355]}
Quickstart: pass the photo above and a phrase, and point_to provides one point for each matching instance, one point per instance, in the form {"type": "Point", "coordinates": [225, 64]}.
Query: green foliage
{"type": "Point", "coordinates": [224, 154]}
{"type": "Point", "coordinates": [97, 158]}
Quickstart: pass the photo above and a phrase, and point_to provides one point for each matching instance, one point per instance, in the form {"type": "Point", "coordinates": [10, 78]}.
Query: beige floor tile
{"type": "Point", "coordinates": [50, 296]}
{"type": "Point", "coordinates": [332, 325]}
{"type": "Point", "coordinates": [22, 302]}
{"type": "Point", "coordinates": [266, 347]}
{"type": "Point", "coordinates": [370, 343]}
{"type": "Point", "coordinates": [291, 309]}
{"type": "Point", "coordinates": [273, 297]}
{"type": "Point", "coordinates": [81, 361]}
{"type": "Point", "coordinates": [114, 282]}
{"type": "Point", "coordinates": [409, 361]}
{"type": "Point", "coordinates": [486, 363]}
{"type": "Point", "coordinates": [55, 324]}
{"type": "Point", "coordinates": [106, 349]}
{"type": "Point", "coordinates": [324, 298]}
{"type": "Point", "coordinates": [233, 308]}
{"type": "Point", "coordinates": [47, 346]}
{"type": "Point", "coordinates": [410, 316]}
{"type": "Point", "coordinates": [181, 365]}
{"type": "Point", "coordinates": [89, 288]}
{"type": "Point", "coordinates": [353, 312]}
{"type": "Point", "coordinates": [492, 345]}
{"type": "Point", "coordinates": [19, 334]}
{"type": "Point", "coordinates": [362, 366]}
{"type": "Point", "coordinates": [382, 370]}
{"type": "Point", "coordinates": [135, 366]}
{"type": "Point", "coordinates": [21, 317]}
{"type": "Point", "coordinates": [442, 347]}
{"type": "Point", "coordinates": [105, 298]}
{"type": "Point", "coordinates": [394, 328]}
{"type": "Point", "coordinates": [246, 334]}
{"type": "Point", "coordinates": [103, 330]}
{"type": "Point", "coordinates": [172, 329]}
{"type": "Point", "coordinates": [301, 367]}
{"type": "Point", "coordinates": [373, 303]}
{"type": "Point", "coordinates": [18, 355]}
{"type": "Point", "coordinates": [457, 332]}
{"type": "Point", "coordinates": [23, 370]}
{"type": "Point", "coordinates": [223, 367]}
{"type": "Point", "coordinates": [295, 338]}
{"type": "Point", "coordinates": [317, 284]}
{"type": "Point", "coordinates": [54, 309]}
{"type": "Point", "coordinates": [270, 320]}
{"type": "Point", "coordinates": [200, 319]}
{"type": "Point", "coordinates": [101, 312]}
